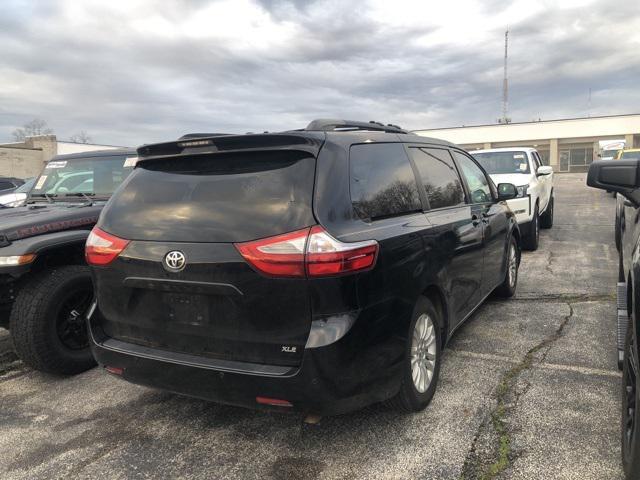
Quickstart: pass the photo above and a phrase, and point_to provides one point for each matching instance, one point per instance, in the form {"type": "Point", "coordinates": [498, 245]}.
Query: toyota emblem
{"type": "Point", "coordinates": [175, 261]}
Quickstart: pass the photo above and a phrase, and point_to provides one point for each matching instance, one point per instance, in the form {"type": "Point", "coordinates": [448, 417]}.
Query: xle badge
{"type": "Point", "coordinates": [289, 349]}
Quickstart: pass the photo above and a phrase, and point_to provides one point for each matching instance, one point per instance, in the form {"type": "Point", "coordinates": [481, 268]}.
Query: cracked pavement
{"type": "Point", "coordinates": [528, 389]}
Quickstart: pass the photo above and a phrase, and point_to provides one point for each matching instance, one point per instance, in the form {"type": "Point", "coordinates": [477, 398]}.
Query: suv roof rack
{"type": "Point", "coordinates": [332, 124]}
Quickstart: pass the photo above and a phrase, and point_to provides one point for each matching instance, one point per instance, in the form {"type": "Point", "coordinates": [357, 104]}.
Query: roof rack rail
{"type": "Point", "coordinates": [202, 135]}
{"type": "Point", "coordinates": [332, 124]}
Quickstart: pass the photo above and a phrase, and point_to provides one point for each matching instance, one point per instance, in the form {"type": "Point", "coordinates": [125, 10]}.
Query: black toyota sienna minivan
{"type": "Point", "coordinates": [318, 270]}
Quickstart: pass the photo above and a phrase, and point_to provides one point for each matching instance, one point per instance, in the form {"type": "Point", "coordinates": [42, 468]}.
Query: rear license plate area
{"type": "Point", "coordinates": [187, 309]}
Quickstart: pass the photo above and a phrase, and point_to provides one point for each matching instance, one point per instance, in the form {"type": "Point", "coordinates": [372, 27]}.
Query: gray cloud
{"type": "Point", "coordinates": [106, 71]}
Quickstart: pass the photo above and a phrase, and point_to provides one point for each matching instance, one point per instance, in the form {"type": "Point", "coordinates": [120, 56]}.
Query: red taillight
{"type": "Point", "coordinates": [276, 402]}
{"type": "Point", "coordinates": [311, 252]}
{"type": "Point", "coordinates": [102, 247]}
{"type": "Point", "coordinates": [327, 256]}
{"type": "Point", "coordinates": [279, 256]}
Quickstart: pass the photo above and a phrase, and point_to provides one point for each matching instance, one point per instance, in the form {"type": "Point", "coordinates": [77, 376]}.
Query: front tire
{"type": "Point", "coordinates": [47, 322]}
{"type": "Point", "coordinates": [532, 238]}
{"type": "Point", "coordinates": [618, 232]}
{"type": "Point", "coordinates": [630, 402]}
{"type": "Point", "coordinates": [421, 365]}
{"type": "Point", "coordinates": [508, 287]}
{"type": "Point", "coordinates": [546, 219]}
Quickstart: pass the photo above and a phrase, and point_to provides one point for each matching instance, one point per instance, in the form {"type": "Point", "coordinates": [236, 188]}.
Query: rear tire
{"type": "Point", "coordinates": [546, 219]}
{"type": "Point", "coordinates": [532, 238]}
{"type": "Point", "coordinates": [630, 438]}
{"type": "Point", "coordinates": [421, 366]}
{"type": "Point", "coordinates": [47, 322]}
{"type": "Point", "coordinates": [508, 288]}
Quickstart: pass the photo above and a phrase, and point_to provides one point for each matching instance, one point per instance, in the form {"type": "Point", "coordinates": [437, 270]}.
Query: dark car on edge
{"type": "Point", "coordinates": [9, 184]}
{"type": "Point", "coordinates": [318, 270]}
{"type": "Point", "coordinates": [45, 284]}
{"type": "Point", "coordinates": [623, 178]}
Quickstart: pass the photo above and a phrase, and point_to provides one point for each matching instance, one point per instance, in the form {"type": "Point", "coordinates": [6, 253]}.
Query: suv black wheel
{"type": "Point", "coordinates": [630, 438]}
{"type": "Point", "coordinates": [422, 359]}
{"type": "Point", "coordinates": [532, 238]}
{"type": "Point", "coordinates": [546, 219]}
{"type": "Point", "coordinates": [48, 324]}
{"type": "Point", "coordinates": [508, 287]}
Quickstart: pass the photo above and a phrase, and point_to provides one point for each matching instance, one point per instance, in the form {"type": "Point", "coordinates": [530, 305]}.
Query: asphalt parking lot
{"type": "Point", "coordinates": [529, 389]}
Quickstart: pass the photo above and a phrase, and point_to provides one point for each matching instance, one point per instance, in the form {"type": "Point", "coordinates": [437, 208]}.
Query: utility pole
{"type": "Point", "coordinates": [505, 83]}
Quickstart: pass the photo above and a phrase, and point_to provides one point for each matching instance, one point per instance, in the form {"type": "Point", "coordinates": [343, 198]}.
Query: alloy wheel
{"type": "Point", "coordinates": [70, 323]}
{"type": "Point", "coordinates": [423, 353]}
{"type": "Point", "coordinates": [512, 270]}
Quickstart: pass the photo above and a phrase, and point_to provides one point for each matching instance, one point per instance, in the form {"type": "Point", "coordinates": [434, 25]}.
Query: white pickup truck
{"type": "Point", "coordinates": [522, 166]}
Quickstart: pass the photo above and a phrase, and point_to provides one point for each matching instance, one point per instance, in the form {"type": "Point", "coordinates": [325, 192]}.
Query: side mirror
{"type": "Point", "coordinates": [544, 170]}
{"type": "Point", "coordinates": [507, 191]}
{"type": "Point", "coordinates": [622, 176]}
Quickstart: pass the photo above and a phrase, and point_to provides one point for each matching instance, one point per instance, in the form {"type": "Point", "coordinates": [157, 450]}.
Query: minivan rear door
{"type": "Point", "coordinates": [198, 208]}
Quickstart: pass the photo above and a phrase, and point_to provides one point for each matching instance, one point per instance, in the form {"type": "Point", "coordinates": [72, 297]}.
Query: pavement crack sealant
{"type": "Point", "coordinates": [491, 450]}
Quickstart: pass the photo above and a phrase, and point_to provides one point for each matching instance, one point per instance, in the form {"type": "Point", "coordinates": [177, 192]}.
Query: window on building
{"type": "Point", "coordinates": [544, 157]}
{"type": "Point", "coordinates": [382, 181]}
{"type": "Point", "coordinates": [580, 156]}
{"type": "Point", "coordinates": [439, 177]}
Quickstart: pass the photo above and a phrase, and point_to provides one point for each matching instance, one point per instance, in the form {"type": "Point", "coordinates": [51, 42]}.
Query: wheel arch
{"type": "Point", "coordinates": [436, 295]}
{"type": "Point", "coordinates": [58, 255]}
{"type": "Point", "coordinates": [515, 232]}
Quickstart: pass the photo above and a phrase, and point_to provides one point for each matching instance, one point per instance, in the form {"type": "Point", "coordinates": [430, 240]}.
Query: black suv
{"type": "Point", "coordinates": [623, 178]}
{"type": "Point", "coordinates": [322, 269]}
{"type": "Point", "coordinates": [45, 285]}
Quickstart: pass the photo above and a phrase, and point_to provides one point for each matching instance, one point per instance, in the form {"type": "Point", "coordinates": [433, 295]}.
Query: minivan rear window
{"type": "Point", "coordinates": [382, 181]}
{"type": "Point", "coordinates": [223, 197]}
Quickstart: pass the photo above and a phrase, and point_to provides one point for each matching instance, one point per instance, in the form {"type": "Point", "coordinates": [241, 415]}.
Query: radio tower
{"type": "Point", "coordinates": [505, 82]}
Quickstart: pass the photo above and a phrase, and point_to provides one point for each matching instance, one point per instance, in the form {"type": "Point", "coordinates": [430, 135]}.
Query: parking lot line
{"type": "Point", "coordinates": [544, 365]}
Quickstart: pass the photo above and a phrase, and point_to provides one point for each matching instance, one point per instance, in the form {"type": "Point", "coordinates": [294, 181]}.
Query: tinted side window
{"type": "Point", "coordinates": [4, 185]}
{"type": "Point", "coordinates": [476, 179]}
{"type": "Point", "coordinates": [439, 176]}
{"type": "Point", "coordinates": [382, 181]}
{"type": "Point", "coordinates": [536, 161]}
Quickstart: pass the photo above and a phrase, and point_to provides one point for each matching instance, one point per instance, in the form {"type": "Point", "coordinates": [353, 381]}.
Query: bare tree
{"type": "Point", "coordinates": [82, 137]}
{"type": "Point", "coordinates": [37, 126]}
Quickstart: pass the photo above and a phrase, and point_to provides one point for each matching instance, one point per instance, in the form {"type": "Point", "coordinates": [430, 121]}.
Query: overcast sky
{"type": "Point", "coordinates": [138, 71]}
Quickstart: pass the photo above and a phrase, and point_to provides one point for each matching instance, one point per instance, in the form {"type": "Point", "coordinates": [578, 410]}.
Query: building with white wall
{"type": "Point", "coordinates": [26, 159]}
{"type": "Point", "coordinates": [569, 145]}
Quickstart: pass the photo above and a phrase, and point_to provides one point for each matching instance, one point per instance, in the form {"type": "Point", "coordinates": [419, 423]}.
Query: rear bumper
{"type": "Point", "coordinates": [331, 380]}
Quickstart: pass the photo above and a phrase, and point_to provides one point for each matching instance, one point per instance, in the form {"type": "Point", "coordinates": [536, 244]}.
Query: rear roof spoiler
{"type": "Point", "coordinates": [197, 145]}
{"type": "Point", "coordinates": [201, 135]}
